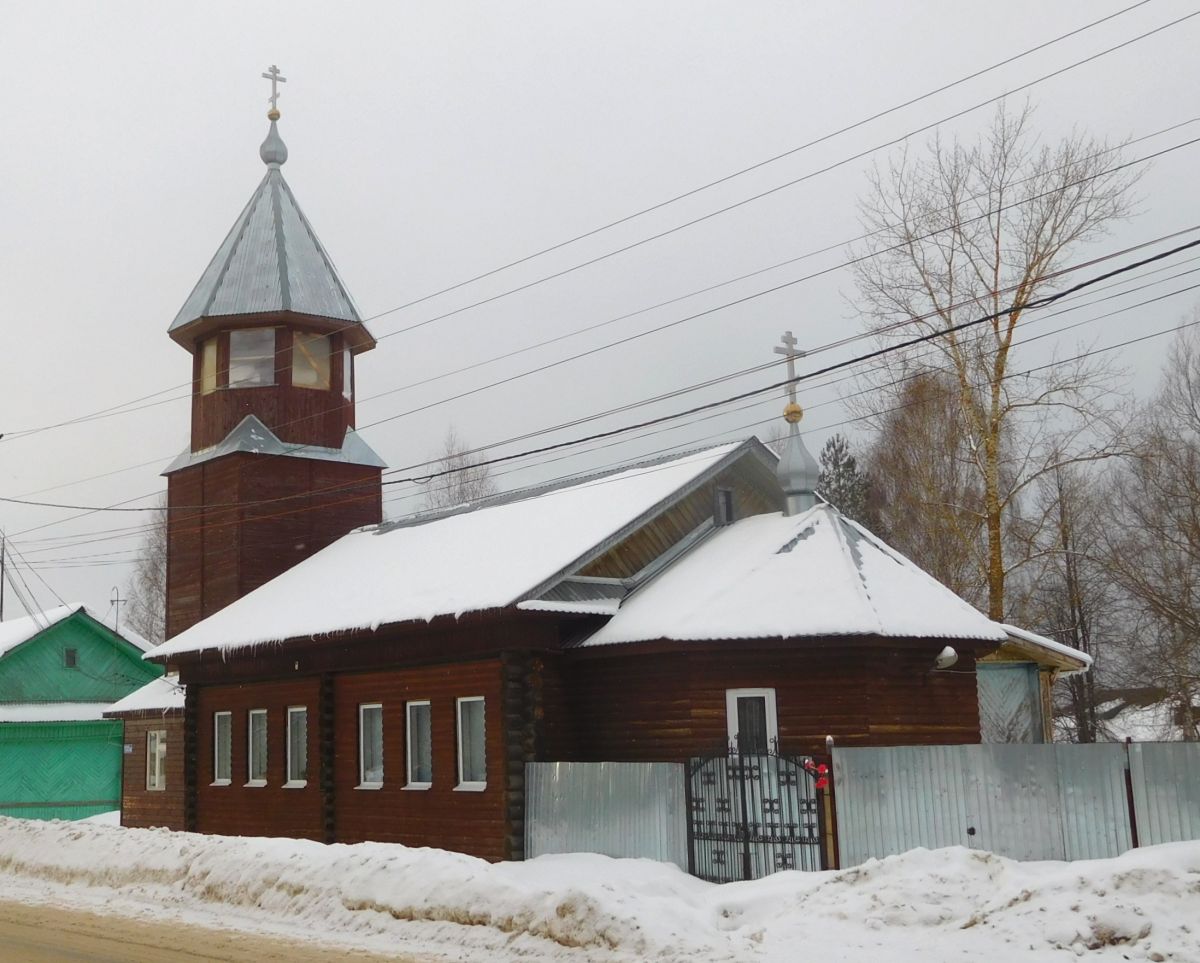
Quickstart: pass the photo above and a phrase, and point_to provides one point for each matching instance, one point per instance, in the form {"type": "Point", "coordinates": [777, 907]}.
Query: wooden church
{"type": "Point", "coordinates": [351, 679]}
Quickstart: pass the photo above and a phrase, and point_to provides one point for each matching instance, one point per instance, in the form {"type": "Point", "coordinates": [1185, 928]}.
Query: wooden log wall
{"type": "Point", "coordinates": [269, 810]}
{"type": "Point", "coordinates": [442, 816]}
{"type": "Point", "coordinates": [141, 807]}
{"type": "Point", "coordinates": [671, 706]}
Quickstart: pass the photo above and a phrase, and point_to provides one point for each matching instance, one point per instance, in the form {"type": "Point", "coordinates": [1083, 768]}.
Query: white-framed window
{"type": "Point", "coordinates": [310, 360]}
{"type": "Point", "coordinates": [753, 724]}
{"type": "Point", "coordinates": [256, 748]}
{"type": "Point", "coordinates": [347, 374]}
{"type": "Point", "coordinates": [156, 760]}
{"type": "Point", "coordinates": [297, 747]}
{"type": "Point", "coordinates": [472, 761]}
{"type": "Point", "coordinates": [222, 748]}
{"type": "Point", "coordinates": [208, 366]}
{"type": "Point", "coordinates": [370, 745]}
{"type": "Point", "coordinates": [419, 737]}
{"type": "Point", "coordinates": [251, 357]}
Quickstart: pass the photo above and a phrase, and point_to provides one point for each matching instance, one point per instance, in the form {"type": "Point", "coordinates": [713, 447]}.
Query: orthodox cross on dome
{"type": "Point", "coordinates": [788, 349]}
{"type": "Point", "coordinates": [276, 78]}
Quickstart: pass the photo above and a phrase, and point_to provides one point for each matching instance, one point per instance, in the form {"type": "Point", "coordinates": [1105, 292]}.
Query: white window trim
{"type": "Point", "coordinates": [731, 714]}
{"type": "Point", "coordinates": [253, 783]}
{"type": "Point", "coordinates": [152, 760]}
{"type": "Point", "coordinates": [411, 783]}
{"type": "Point", "coordinates": [458, 704]}
{"type": "Point", "coordinates": [217, 780]}
{"type": "Point", "coordinates": [291, 783]}
{"type": "Point", "coordinates": [362, 783]}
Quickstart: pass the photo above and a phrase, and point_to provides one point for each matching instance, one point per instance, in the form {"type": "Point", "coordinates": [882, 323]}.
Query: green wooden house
{"type": "Point", "coordinates": [59, 671]}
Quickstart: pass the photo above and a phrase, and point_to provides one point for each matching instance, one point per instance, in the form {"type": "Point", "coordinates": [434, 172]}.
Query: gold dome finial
{"type": "Point", "coordinates": [793, 413]}
{"type": "Point", "coordinates": [273, 113]}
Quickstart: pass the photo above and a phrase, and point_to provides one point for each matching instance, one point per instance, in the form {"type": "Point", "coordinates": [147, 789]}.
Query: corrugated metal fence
{"type": "Point", "coordinates": [1021, 801]}
{"type": "Point", "coordinates": [614, 808]}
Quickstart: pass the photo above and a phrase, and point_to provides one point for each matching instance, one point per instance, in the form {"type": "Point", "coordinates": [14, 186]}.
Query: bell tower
{"type": "Point", "coordinates": [274, 470]}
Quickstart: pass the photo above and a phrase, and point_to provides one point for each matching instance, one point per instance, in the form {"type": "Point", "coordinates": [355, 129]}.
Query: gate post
{"type": "Point", "coordinates": [744, 828]}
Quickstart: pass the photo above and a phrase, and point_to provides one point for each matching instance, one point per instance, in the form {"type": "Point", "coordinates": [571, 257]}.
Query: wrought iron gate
{"type": "Point", "coordinates": [750, 815]}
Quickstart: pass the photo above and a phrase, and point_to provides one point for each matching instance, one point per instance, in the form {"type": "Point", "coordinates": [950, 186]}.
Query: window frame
{"type": "Point", "coordinates": [410, 782]}
{"type": "Point", "coordinates": [218, 779]}
{"type": "Point", "coordinates": [731, 715]}
{"type": "Point", "coordinates": [299, 340]}
{"type": "Point", "coordinates": [210, 364]}
{"type": "Point", "coordinates": [463, 784]}
{"type": "Point", "coordinates": [156, 761]}
{"type": "Point", "coordinates": [274, 373]}
{"type": "Point", "coordinates": [362, 773]}
{"type": "Point", "coordinates": [253, 782]}
{"type": "Point", "coordinates": [289, 781]}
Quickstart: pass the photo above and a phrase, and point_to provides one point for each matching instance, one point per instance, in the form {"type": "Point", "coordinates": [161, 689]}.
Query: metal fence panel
{"type": "Point", "coordinates": [627, 809]}
{"type": "Point", "coordinates": [1166, 791]}
{"type": "Point", "coordinates": [1021, 801]}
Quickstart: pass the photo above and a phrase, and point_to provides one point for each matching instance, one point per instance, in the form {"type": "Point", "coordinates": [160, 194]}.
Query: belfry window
{"type": "Point", "coordinates": [310, 360]}
{"type": "Point", "coordinates": [208, 366]}
{"type": "Point", "coordinates": [347, 374]}
{"type": "Point", "coordinates": [251, 357]}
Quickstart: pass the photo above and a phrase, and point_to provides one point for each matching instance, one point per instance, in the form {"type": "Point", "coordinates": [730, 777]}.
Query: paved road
{"type": "Point", "coordinates": [48, 934]}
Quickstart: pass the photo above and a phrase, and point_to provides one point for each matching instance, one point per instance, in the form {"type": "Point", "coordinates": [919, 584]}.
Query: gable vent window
{"type": "Point", "coordinates": [71, 658]}
{"type": "Point", "coordinates": [723, 507]}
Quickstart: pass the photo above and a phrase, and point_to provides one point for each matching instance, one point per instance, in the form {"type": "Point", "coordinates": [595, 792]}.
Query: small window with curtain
{"type": "Point", "coordinates": [310, 360]}
{"type": "Point", "coordinates": [251, 357]}
{"type": "Point", "coordinates": [297, 748]}
{"type": "Point", "coordinates": [222, 748]}
{"type": "Point", "coordinates": [370, 746]}
{"type": "Point", "coordinates": [208, 366]}
{"type": "Point", "coordinates": [472, 762]}
{"type": "Point", "coordinates": [752, 724]}
{"type": "Point", "coordinates": [256, 752]}
{"type": "Point", "coordinates": [156, 760]}
{"type": "Point", "coordinates": [420, 745]}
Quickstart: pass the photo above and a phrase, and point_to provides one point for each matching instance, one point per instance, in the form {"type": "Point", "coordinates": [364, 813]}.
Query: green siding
{"type": "Point", "coordinates": [107, 668]}
{"type": "Point", "coordinates": [60, 770]}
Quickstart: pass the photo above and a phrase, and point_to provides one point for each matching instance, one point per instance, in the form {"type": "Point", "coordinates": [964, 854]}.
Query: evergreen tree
{"type": "Point", "coordinates": [840, 482]}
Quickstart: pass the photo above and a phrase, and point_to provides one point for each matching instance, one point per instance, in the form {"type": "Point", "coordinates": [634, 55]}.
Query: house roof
{"type": "Point", "coordinates": [18, 631]}
{"type": "Point", "coordinates": [470, 559]}
{"type": "Point", "coordinates": [271, 260]}
{"type": "Point", "coordinates": [163, 693]}
{"type": "Point", "coordinates": [778, 576]}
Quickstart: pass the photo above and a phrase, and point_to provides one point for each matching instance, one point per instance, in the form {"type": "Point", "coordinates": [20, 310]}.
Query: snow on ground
{"type": "Point", "coordinates": [927, 906]}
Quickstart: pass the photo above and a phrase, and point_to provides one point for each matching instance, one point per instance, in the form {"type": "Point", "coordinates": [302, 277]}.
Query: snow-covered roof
{"type": "Point", "coordinates": [18, 631]}
{"type": "Point", "coordinates": [164, 693]}
{"type": "Point", "coordinates": [52, 711]}
{"type": "Point", "coordinates": [775, 576]}
{"type": "Point", "coordinates": [487, 558]}
{"type": "Point", "coordinates": [1042, 642]}
{"type": "Point", "coordinates": [253, 437]}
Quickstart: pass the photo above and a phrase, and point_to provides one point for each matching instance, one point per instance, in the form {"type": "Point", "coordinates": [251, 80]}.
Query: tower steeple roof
{"type": "Point", "coordinates": [270, 261]}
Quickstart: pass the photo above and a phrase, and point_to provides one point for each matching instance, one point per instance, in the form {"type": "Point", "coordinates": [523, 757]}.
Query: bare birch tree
{"type": "Point", "coordinates": [468, 480]}
{"type": "Point", "coordinates": [147, 590]}
{"type": "Point", "coordinates": [970, 230]}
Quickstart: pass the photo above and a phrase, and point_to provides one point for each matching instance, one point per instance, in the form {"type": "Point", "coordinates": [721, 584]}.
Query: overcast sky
{"type": "Point", "coordinates": [431, 142]}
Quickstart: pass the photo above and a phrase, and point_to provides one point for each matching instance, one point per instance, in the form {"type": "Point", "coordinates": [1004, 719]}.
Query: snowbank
{"type": "Point", "coordinates": [921, 906]}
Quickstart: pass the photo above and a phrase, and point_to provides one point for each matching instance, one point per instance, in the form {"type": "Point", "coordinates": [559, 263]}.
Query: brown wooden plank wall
{"type": "Point", "coordinates": [672, 706]}
{"type": "Point", "coordinates": [750, 497]}
{"type": "Point", "coordinates": [269, 810]}
{"type": "Point", "coordinates": [140, 807]}
{"type": "Point", "coordinates": [467, 822]}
